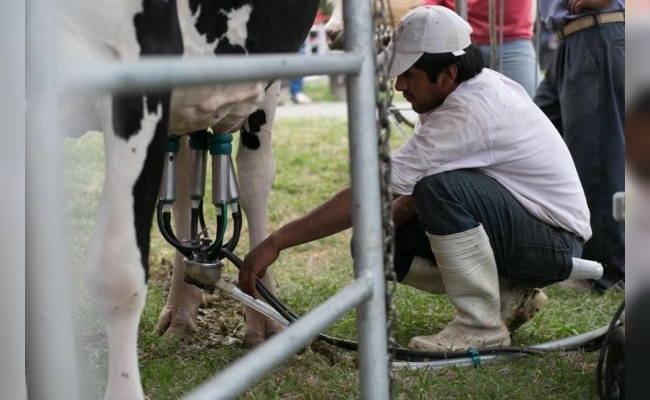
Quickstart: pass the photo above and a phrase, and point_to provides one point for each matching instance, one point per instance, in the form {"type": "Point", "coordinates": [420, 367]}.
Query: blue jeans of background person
{"type": "Point", "coordinates": [516, 59]}
{"type": "Point", "coordinates": [295, 85]}
{"type": "Point", "coordinates": [527, 250]}
{"type": "Point", "coordinates": [583, 95]}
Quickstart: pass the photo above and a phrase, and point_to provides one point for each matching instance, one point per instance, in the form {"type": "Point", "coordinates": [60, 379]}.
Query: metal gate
{"type": "Point", "coordinates": [49, 328]}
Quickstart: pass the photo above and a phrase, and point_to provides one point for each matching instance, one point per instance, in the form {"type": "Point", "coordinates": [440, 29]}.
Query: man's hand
{"type": "Point", "coordinates": [255, 264]}
{"type": "Point", "coordinates": [333, 216]}
{"type": "Point", "coordinates": [576, 6]}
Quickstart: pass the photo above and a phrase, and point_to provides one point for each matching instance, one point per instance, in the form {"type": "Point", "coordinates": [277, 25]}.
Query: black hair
{"type": "Point", "coordinates": [469, 64]}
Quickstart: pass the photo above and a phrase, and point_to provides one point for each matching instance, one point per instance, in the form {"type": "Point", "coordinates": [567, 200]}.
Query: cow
{"type": "Point", "coordinates": [135, 128]}
{"type": "Point", "coordinates": [334, 28]}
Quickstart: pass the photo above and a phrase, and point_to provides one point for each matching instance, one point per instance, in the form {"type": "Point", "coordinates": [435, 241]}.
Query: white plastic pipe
{"type": "Point", "coordinates": [585, 269]}
{"type": "Point", "coordinates": [234, 292]}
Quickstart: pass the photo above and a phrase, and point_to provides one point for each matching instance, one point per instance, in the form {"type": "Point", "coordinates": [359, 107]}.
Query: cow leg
{"type": "Point", "coordinates": [178, 316]}
{"type": "Point", "coordinates": [334, 26]}
{"type": "Point", "coordinates": [118, 251]}
{"type": "Point", "coordinates": [256, 171]}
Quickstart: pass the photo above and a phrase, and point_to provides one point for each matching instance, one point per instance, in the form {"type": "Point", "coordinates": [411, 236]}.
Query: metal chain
{"type": "Point", "coordinates": [384, 23]}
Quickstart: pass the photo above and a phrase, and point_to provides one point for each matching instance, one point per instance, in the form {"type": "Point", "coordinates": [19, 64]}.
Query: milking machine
{"type": "Point", "coordinates": [204, 255]}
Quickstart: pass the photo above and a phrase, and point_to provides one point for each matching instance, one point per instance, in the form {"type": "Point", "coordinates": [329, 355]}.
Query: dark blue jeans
{"type": "Point", "coordinates": [527, 250]}
{"type": "Point", "coordinates": [296, 84]}
{"type": "Point", "coordinates": [583, 95]}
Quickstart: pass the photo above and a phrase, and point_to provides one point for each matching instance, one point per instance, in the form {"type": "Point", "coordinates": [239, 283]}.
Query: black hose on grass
{"type": "Point", "coordinates": [402, 354]}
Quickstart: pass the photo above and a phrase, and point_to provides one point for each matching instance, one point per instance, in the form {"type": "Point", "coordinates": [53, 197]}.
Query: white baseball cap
{"type": "Point", "coordinates": [425, 29]}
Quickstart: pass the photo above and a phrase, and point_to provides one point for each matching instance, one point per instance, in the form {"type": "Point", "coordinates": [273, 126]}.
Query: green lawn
{"type": "Point", "coordinates": [312, 164]}
{"type": "Point", "coordinates": [319, 91]}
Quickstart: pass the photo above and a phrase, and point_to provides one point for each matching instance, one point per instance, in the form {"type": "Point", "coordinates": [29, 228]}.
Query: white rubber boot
{"type": "Point", "coordinates": [519, 304]}
{"type": "Point", "coordinates": [425, 275]}
{"type": "Point", "coordinates": [469, 274]}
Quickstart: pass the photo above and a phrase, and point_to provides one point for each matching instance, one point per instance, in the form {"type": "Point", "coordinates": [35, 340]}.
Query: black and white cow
{"type": "Point", "coordinates": [135, 128]}
{"type": "Point", "coordinates": [334, 27]}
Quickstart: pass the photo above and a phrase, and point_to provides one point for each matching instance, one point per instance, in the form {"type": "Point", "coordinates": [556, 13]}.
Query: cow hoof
{"type": "Point", "coordinates": [176, 324]}
{"type": "Point", "coordinates": [253, 339]}
{"type": "Point", "coordinates": [256, 334]}
{"type": "Point", "coordinates": [273, 327]}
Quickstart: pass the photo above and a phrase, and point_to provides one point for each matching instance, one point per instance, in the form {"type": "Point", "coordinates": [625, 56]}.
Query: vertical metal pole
{"type": "Point", "coordinates": [49, 350]}
{"type": "Point", "coordinates": [12, 213]}
{"type": "Point", "coordinates": [366, 217]}
{"type": "Point", "coordinates": [461, 8]}
{"type": "Point", "coordinates": [537, 40]}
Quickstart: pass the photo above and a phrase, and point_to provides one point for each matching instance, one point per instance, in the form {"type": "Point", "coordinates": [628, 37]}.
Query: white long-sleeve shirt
{"type": "Point", "coordinates": [490, 123]}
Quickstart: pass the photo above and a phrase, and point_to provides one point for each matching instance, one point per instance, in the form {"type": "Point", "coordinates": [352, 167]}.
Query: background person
{"type": "Point", "coordinates": [515, 56]}
{"type": "Point", "coordinates": [296, 86]}
{"type": "Point", "coordinates": [583, 94]}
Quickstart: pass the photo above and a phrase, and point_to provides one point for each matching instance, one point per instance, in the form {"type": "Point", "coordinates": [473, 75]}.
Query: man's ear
{"type": "Point", "coordinates": [448, 74]}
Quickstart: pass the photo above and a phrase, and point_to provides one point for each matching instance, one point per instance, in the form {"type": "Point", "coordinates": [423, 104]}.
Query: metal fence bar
{"type": "Point", "coordinates": [253, 366]}
{"type": "Point", "coordinates": [49, 347]}
{"type": "Point", "coordinates": [366, 199]}
{"type": "Point", "coordinates": [166, 72]}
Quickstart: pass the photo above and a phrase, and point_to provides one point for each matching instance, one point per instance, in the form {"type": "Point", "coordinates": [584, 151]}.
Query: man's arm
{"type": "Point", "coordinates": [333, 216]}
{"type": "Point", "coordinates": [403, 210]}
{"type": "Point", "coordinates": [576, 6]}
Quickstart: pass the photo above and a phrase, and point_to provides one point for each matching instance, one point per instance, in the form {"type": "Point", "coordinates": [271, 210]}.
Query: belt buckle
{"type": "Point", "coordinates": [594, 22]}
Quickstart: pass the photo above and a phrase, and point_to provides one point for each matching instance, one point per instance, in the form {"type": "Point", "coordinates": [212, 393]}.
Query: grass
{"type": "Point", "coordinates": [316, 87]}
{"type": "Point", "coordinates": [312, 164]}
{"type": "Point", "coordinates": [318, 90]}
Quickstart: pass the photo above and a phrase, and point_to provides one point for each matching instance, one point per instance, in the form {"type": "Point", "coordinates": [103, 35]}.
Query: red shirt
{"type": "Point", "coordinates": [517, 22]}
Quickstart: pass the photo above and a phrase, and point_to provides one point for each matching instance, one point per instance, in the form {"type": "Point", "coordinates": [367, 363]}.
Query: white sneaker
{"type": "Point", "coordinates": [301, 98]}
